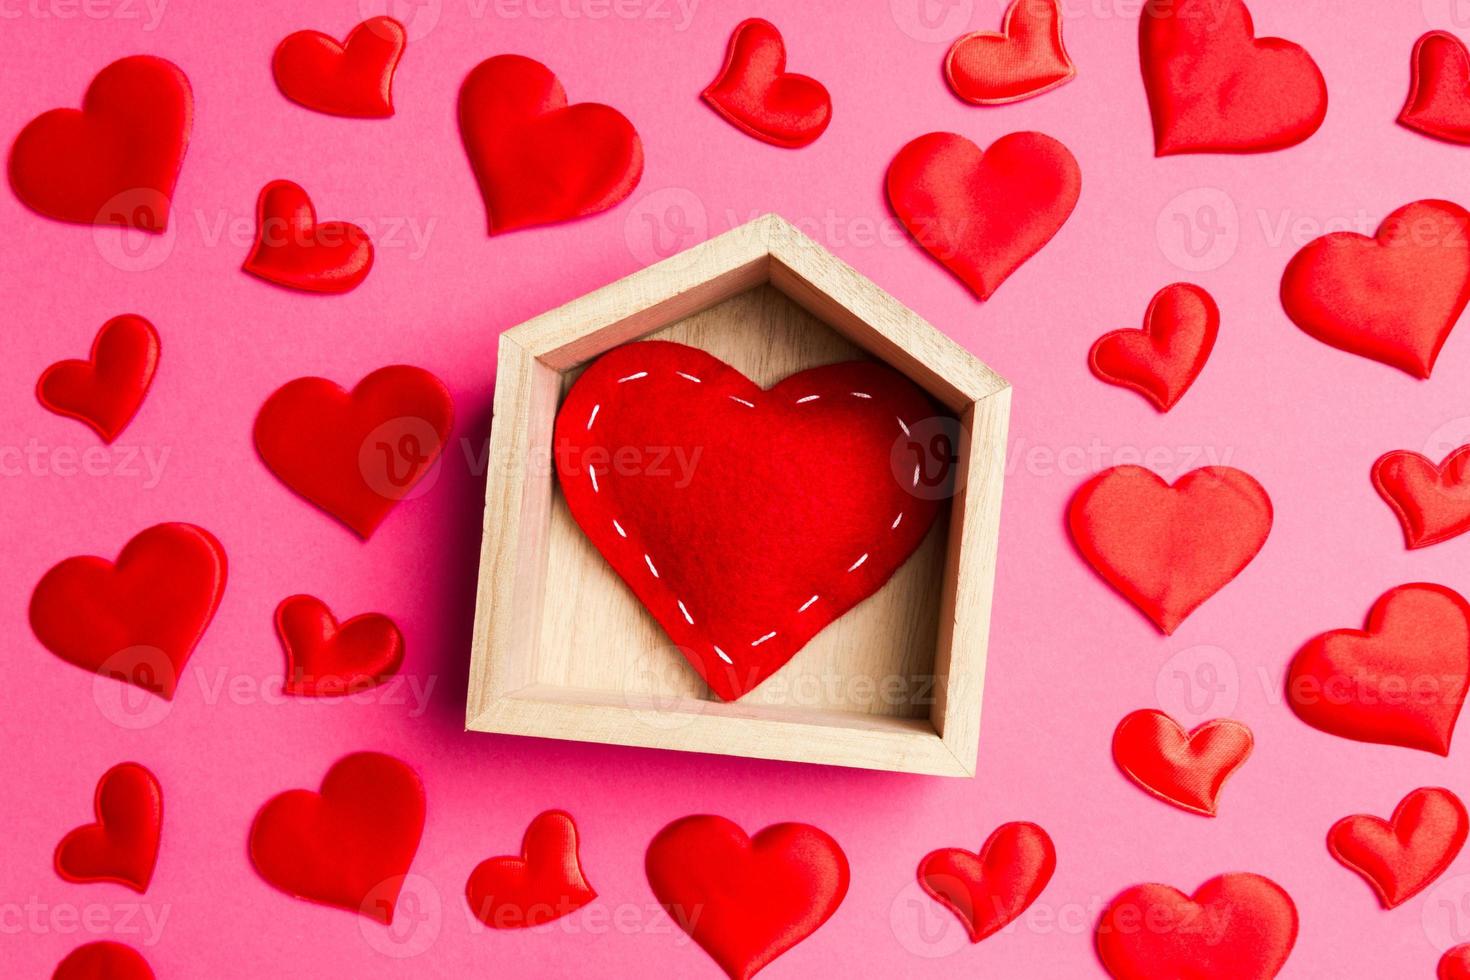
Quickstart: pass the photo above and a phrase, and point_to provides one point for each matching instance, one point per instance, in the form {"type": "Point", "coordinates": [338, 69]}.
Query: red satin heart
{"type": "Point", "coordinates": [1168, 549]}
{"type": "Point", "coordinates": [355, 454]}
{"type": "Point", "coordinates": [1432, 502]}
{"type": "Point", "coordinates": [1235, 927]}
{"type": "Point", "coordinates": [1161, 360]}
{"type": "Point", "coordinates": [325, 658]}
{"type": "Point", "coordinates": [542, 885]}
{"type": "Point", "coordinates": [1399, 682]}
{"type": "Point", "coordinates": [982, 213]}
{"type": "Point", "coordinates": [1438, 104]}
{"type": "Point", "coordinates": [1185, 769]}
{"type": "Point", "coordinates": [988, 890]}
{"type": "Point", "coordinates": [746, 900]}
{"type": "Point", "coordinates": [758, 96]}
{"type": "Point", "coordinates": [1025, 59]}
{"type": "Point", "coordinates": [116, 161]}
{"type": "Point", "coordinates": [349, 846]}
{"type": "Point", "coordinates": [1401, 856]}
{"type": "Point", "coordinates": [103, 961]}
{"type": "Point", "coordinates": [137, 619]}
{"type": "Point", "coordinates": [1455, 964]}
{"type": "Point", "coordinates": [354, 78]}
{"type": "Point", "coordinates": [106, 390]}
{"type": "Point", "coordinates": [294, 250]}
{"type": "Point", "coordinates": [538, 160]}
{"type": "Point", "coordinates": [122, 846]}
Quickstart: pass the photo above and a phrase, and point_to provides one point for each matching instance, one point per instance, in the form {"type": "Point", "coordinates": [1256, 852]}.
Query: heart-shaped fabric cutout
{"type": "Point", "coordinates": [1025, 59]}
{"type": "Point", "coordinates": [1161, 360]}
{"type": "Point", "coordinates": [1185, 769]}
{"type": "Point", "coordinates": [106, 390]}
{"type": "Point", "coordinates": [758, 96]}
{"type": "Point", "coordinates": [744, 520]}
{"type": "Point", "coordinates": [136, 619]}
{"type": "Point", "coordinates": [1401, 856]}
{"type": "Point", "coordinates": [990, 889]}
{"type": "Point", "coordinates": [542, 885]}
{"type": "Point", "coordinates": [325, 658]}
{"type": "Point", "coordinates": [982, 213]}
{"type": "Point", "coordinates": [1432, 502]}
{"type": "Point", "coordinates": [116, 160]}
{"type": "Point", "coordinates": [538, 160]}
{"type": "Point", "coordinates": [103, 961]}
{"type": "Point", "coordinates": [353, 79]}
{"type": "Point", "coordinates": [1455, 964]}
{"type": "Point", "coordinates": [746, 900]}
{"type": "Point", "coordinates": [1438, 104]}
{"type": "Point", "coordinates": [294, 250]}
{"type": "Point", "coordinates": [122, 845]}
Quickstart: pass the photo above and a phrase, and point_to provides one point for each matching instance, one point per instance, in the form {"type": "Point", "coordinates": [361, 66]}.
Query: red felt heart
{"type": "Point", "coordinates": [1025, 59]}
{"type": "Point", "coordinates": [746, 900]}
{"type": "Point", "coordinates": [537, 159]}
{"type": "Point", "coordinates": [122, 846]}
{"type": "Point", "coordinates": [137, 619]}
{"type": "Point", "coordinates": [103, 961]}
{"type": "Point", "coordinates": [1168, 549]}
{"type": "Point", "coordinates": [1401, 856]}
{"type": "Point", "coordinates": [1400, 682]}
{"type": "Point", "coordinates": [990, 889]}
{"type": "Point", "coordinates": [1161, 360]}
{"type": "Point", "coordinates": [1185, 769]}
{"type": "Point", "coordinates": [294, 250]}
{"type": "Point", "coordinates": [981, 213]}
{"type": "Point", "coordinates": [355, 454]}
{"type": "Point", "coordinates": [1439, 89]}
{"type": "Point", "coordinates": [1234, 927]}
{"type": "Point", "coordinates": [115, 161]}
{"type": "Point", "coordinates": [1214, 87]}
{"type": "Point", "coordinates": [744, 520]}
{"type": "Point", "coordinates": [348, 846]}
{"type": "Point", "coordinates": [1432, 502]}
{"type": "Point", "coordinates": [325, 658]}
{"type": "Point", "coordinates": [756, 93]}
{"type": "Point", "coordinates": [354, 78]}
{"type": "Point", "coordinates": [1393, 297]}
{"type": "Point", "coordinates": [105, 390]}
{"type": "Point", "coordinates": [1455, 964]}
{"type": "Point", "coordinates": [542, 885]}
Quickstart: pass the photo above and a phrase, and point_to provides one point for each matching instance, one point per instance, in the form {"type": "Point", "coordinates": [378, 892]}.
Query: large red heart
{"type": "Point", "coordinates": [1455, 964]}
{"type": "Point", "coordinates": [137, 619]}
{"type": "Point", "coordinates": [1401, 856]}
{"type": "Point", "coordinates": [103, 961]}
{"type": "Point", "coordinates": [348, 846]}
{"type": "Point", "coordinates": [116, 161]}
{"type": "Point", "coordinates": [1214, 87]}
{"type": "Point", "coordinates": [992, 888]}
{"type": "Point", "coordinates": [354, 78]}
{"type": "Point", "coordinates": [1161, 360]}
{"type": "Point", "coordinates": [1401, 681]}
{"type": "Point", "coordinates": [1169, 548]}
{"type": "Point", "coordinates": [1185, 769]}
{"type": "Point", "coordinates": [746, 900]}
{"type": "Point", "coordinates": [326, 658]}
{"type": "Point", "coordinates": [1025, 59]}
{"type": "Point", "coordinates": [744, 520]}
{"type": "Point", "coordinates": [537, 159]}
{"type": "Point", "coordinates": [294, 250]}
{"type": "Point", "coordinates": [542, 885]}
{"type": "Point", "coordinates": [355, 454]}
{"type": "Point", "coordinates": [1438, 104]}
{"type": "Point", "coordinates": [105, 390]}
{"type": "Point", "coordinates": [756, 93]}
{"type": "Point", "coordinates": [982, 213]}
{"type": "Point", "coordinates": [1394, 297]}
{"type": "Point", "coordinates": [122, 846]}
{"type": "Point", "coordinates": [1432, 502]}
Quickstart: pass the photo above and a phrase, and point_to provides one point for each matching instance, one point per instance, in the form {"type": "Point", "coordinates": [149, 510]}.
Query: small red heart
{"type": "Point", "coordinates": [982, 213]}
{"type": "Point", "coordinates": [1439, 89]}
{"type": "Point", "coordinates": [355, 454]}
{"type": "Point", "coordinates": [1455, 964]}
{"type": "Point", "coordinates": [1169, 548]}
{"type": "Point", "coordinates": [542, 885]}
{"type": "Point", "coordinates": [538, 160]}
{"type": "Point", "coordinates": [324, 658]}
{"type": "Point", "coordinates": [756, 93]}
{"type": "Point", "coordinates": [354, 78]}
{"type": "Point", "coordinates": [1399, 682]}
{"type": "Point", "coordinates": [103, 961]}
{"type": "Point", "coordinates": [106, 390]}
{"type": "Point", "coordinates": [1185, 769]}
{"type": "Point", "coordinates": [122, 846]}
{"type": "Point", "coordinates": [137, 619]}
{"type": "Point", "coordinates": [294, 250]}
{"type": "Point", "coordinates": [1161, 360]}
{"type": "Point", "coordinates": [1025, 59]}
{"type": "Point", "coordinates": [1401, 856]}
{"type": "Point", "coordinates": [116, 160]}
{"type": "Point", "coordinates": [1432, 502]}
{"type": "Point", "coordinates": [990, 889]}
{"type": "Point", "coordinates": [746, 900]}
{"type": "Point", "coordinates": [349, 846]}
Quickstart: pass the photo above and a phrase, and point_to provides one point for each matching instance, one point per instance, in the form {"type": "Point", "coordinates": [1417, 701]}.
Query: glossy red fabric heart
{"type": "Point", "coordinates": [294, 250]}
{"type": "Point", "coordinates": [356, 454]}
{"type": "Point", "coordinates": [1432, 502]}
{"type": "Point", "coordinates": [1165, 548]}
{"type": "Point", "coordinates": [697, 487]}
{"type": "Point", "coordinates": [1394, 297]}
{"type": "Point", "coordinates": [106, 390]}
{"type": "Point", "coordinates": [1401, 681]}
{"type": "Point", "coordinates": [1438, 103]}
{"type": "Point", "coordinates": [538, 160]}
{"type": "Point", "coordinates": [989, 889]}
{"type": "Point", "coordinates": [348, 846]}
{"type": "Point", "coordinates": [757, 95]}
{"type": "Point", "coordinates": [1024, 60]}
{"type": "Point", "coordinates": [116, 160]}
{"type": "Point", "coordinates": [1455, 964]}
{"type": "Point", "coordinates": [1214, 87]}
{"type": "Point", "coordinates": [1401, 856]}
{"type": "Point", "coordinates": [746, 900]}
{"type": "Point", "coordinates": [542, 885]}
{"type": "Point", "coordinates": [103, 961]}
{"type": "Point", "coordinates": [137, 619]}
{"type": "Point", "coordinates": [1161, 360]}
{"type": "Point", "coordinates": [1185, 769]}
{"type": "Point", "coordinates": [326, 658]}
{"type": "Point", "coordinates": [354, 78]}
{"type": "Point", "coordinates": [122, 845]}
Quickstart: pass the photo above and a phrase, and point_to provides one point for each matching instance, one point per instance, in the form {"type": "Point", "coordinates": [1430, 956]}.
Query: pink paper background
{"type": "Point", "coordinates": [1068, 658]}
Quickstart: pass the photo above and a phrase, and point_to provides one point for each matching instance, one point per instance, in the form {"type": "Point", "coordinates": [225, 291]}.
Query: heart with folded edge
{"type": "Point", "coordinates": [352, 79]}
{"type": "Point", "coordinates": [1024, 60]}
{"type": "Point", "coordinates": [105, 390]}
{"type": "Point", "coordinates": [1438, 103]}
{"type": "Point", "coordinates": [1401, 856]}
{"type": "Point", "coordinates": [1432, 501]}
{"type": "Point", "coordinates": [542, 884]}
{"type": "Point", "coordinates": [1161, 360]}
{"type": "Point", "coordinates": [105, 960]}
{"type": "Point", "coordinates": [121, 846]}
{"type": "Point", "coordinates": [989, 889]}
{"type": "Point", "coordinates": [1186, 769]}
{"type": "Point", "coordinates": [756, 93]}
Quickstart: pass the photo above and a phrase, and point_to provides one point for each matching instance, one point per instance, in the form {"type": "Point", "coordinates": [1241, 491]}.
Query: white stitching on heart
{"type": "Point", "coordinates": [891, 527]}
{"type": "Point", "coordinates": [649, 561]}
{"type": "Point", "coordinates": [724, 656]}
{"type": "Point", "coordinates": [742, 401]}
{"type": "Point", "coordinates": [807, 398]}
{"type": "Point", "coordinates": [633, 377]}
{"type": "Point", "coordinates": [807, 605]}
{"type": "Point", "coordinates": [623, 534]}
{"type": "Point", "coordinates": [857, 564]}
{"type": "Point", "coordinates": [593, 473]}
{"type": "Point", "coordinates": [685, 610]}
{"type": "Point", "coordinates": [689, 377]}
{"type": "Point", "coordinates": [593, 417]}
{"type": "Point", "coordinates": [859, 394]}
{"type": "Point", "coordinates": [756, 643]}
